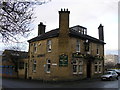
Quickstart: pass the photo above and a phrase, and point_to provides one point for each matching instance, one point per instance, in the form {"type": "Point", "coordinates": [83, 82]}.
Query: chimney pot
{"type": "Point", "coordinates": [41, 23]}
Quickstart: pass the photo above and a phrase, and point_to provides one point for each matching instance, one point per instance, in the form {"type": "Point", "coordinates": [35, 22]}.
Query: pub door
{"type": "Point", "coordinates": [26, 71]}
{"type": "Point", "coordinates": [88, 69]}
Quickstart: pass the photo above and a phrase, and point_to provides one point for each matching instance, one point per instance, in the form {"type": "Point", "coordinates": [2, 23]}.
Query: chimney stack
{"type": "Point", "coordinates": [41, 28]}
{"type": "Point", "coordinates": [64, 21]}
{"type": "Point", "coordinates": [101, 32]}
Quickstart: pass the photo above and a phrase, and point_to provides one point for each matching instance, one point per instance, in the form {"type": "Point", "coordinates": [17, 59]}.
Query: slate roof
{"type": "Point", "coordinates": [50, 34]}
{"type": "Point", "coordinates": [20, 54]}
{"type": "Point", "coordinates": [72, 33]}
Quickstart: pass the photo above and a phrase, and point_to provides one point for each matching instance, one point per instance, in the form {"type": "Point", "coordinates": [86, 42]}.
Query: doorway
{"type": "Point", "coordinates": [88, 69]}
{"type": "Point", "coordinates": [26, 70]}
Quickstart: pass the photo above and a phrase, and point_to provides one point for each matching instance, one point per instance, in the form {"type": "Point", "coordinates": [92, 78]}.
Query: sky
{"type": "Point", "coordinates": [87, 13]}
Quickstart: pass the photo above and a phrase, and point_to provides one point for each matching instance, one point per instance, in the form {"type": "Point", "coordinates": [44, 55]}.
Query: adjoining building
{"type": "Point", "coordinates": [11, 63]}
{"type": "Point", "coordinates": [65, 53]}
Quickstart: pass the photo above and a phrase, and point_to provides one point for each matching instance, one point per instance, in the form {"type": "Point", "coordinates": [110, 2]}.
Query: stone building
{"type": "Point", "coordinates": [13, 63]}
{"type": "Point", "coordinates": [65, 53]}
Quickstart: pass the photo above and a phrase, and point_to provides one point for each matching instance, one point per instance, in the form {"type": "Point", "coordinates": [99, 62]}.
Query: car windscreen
{"type": "Point", "coordinates": [107, 72]}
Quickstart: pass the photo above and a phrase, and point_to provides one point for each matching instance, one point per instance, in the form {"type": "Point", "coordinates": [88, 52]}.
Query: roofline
{"type": "Point", "coordinates": [78, 26]}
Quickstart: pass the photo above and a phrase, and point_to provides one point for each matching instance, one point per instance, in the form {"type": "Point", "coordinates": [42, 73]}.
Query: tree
{"type": "Point", "coordinates": [15, 18]}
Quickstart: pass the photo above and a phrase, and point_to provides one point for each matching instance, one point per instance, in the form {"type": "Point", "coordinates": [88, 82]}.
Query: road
{"type": "Point", "coordinates": [20, 83]}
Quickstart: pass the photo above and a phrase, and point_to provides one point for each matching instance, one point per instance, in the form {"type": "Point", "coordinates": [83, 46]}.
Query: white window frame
{"type": "Point", "coordinates": [34, 63]}
{"type": "Point", "coordinates": [49, 45]}
{"type": "Point", "coordinates": [76, 69]}
{"type": "Point", "coordinates": [35, 47]}
{"type": "Point", "coordinates": [78, 65]}
{"type": "Point", "coordinates": [48, 63]}
{"type": "Point", "coordinates": [77, 45]}
{"type": "Point", "coordinates": [99, 67]}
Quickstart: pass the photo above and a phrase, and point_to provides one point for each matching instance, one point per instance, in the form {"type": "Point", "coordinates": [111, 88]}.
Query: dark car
{"type": "Point", "coordinates": [116, 70]}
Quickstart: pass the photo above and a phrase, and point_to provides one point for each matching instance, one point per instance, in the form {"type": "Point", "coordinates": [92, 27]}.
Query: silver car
{"type": "Point", "coordinates": [109, 75]}
{"type": "Point", "coordinates": [116, 70]}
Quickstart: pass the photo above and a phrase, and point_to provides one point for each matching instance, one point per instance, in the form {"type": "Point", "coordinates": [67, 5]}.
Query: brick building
{"type": "Point", "coordinates": [65, 53]}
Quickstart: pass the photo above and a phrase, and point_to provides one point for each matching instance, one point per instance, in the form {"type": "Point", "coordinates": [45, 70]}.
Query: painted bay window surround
{"type": "Point", "coordinates": [74, 67]}
{"type": "Point", "coordinates": [98, 67]}
{"type": "Point", "coordinates": [49, 45]}
{"type": "Point", "coordinates": [77, 66]}
{"type": "Point", "coordinates": [80, 67]}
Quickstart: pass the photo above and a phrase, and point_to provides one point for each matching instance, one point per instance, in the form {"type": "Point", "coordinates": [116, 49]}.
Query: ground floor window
{"type": "Point", "coordinates": [77, 66]}
{"type": "Point", "coordinates": [48, 66]}
{"type": "Point", "coordinates": [21, 65]}
{"type": "Point", "coordinates": [74, 69]}
{"type": "Point", "coordinates": [98, 66]}
{"type": "Point", "coordinates": [80, 67]}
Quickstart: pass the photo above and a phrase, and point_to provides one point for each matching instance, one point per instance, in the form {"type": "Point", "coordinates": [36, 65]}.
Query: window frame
{"type": "Point", "coordinates": [78, 65]}
{"type": "Point", "coordinates": [78, 45]}
{"type": "Point", "coordinates": [49, 45]}
{"type": "Point", "coordinates": [34, 66]}
{"type": "Point", "coordinates": [48, 66]}
{"type": "Point", "coordinates": [35, 47]}
{"type": "Point", "coordinates": [98, 48]}
{"type": "Point", "coordinates": [21, 65]}
{"type": "Point", "coordinates": [98, 64]}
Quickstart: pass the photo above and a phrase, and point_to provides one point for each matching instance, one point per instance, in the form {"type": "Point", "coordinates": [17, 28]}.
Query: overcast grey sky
{"type": "Point", "coordinates": [87, 13]}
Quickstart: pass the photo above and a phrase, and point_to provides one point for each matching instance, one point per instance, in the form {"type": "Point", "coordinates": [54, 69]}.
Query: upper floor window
{"type": "Point", "coordinates": [78, 46]}
{"type": "Point", "coordinates": [86, 45]}
{"type": "Point", "coordinates": [49, 45]}
{"type": "Point", "coordinates": [97, 49]}
{"type": "Point", "coordinates": [35, 47]}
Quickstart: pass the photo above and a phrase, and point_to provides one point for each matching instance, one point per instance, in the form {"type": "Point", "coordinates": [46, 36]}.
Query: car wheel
{"type": "Point", "coordinates": [101, 79]}
{"type": "Point", "coordinates": [110, 78]}
{"type": "Point", "coordinates": [117, 78]}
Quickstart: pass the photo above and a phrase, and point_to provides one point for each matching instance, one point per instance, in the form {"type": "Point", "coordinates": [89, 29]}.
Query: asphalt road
{"type": "Point", "coordinates": [20, 83]}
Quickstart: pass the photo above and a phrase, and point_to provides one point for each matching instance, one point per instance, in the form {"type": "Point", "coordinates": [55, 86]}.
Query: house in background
{"type": "Point", "coordinates": [11, 63]}
{"type": "Point", "coordinates": [23, 67]}
{"type": "Point", "coordinates": [65, 53]}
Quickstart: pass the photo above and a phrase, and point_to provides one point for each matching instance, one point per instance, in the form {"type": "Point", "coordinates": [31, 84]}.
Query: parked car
{"type": "Point", "coordinates": [116, 70]}
{"type": "Point", "coordinates": [109, 75]}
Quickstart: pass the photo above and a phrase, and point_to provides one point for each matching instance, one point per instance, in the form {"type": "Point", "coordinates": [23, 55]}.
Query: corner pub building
{"type": "Point", "coordinates": [65, 53]}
